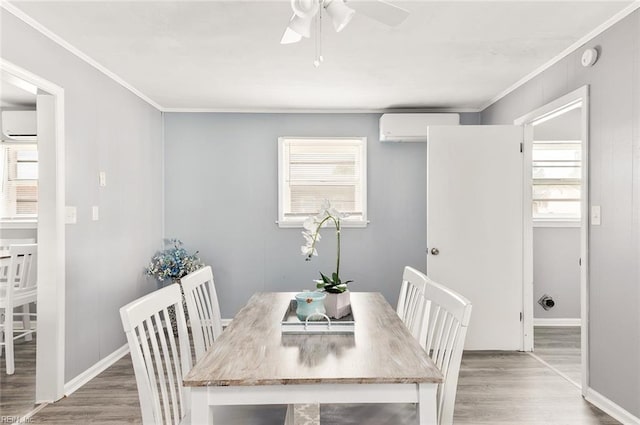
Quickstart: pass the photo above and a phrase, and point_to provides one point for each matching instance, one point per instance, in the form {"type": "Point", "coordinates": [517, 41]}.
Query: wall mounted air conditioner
{"type": "Point", "coordinates": [412, 127]}
{"type": "Point", "coordinates": [19, 126]}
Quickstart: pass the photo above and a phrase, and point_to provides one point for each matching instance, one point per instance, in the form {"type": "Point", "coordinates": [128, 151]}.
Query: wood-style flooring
{"type": "Point", "coordinates": [18, 391]}
{"type": "Point", "coordinates": [560, 347]}
{"type": "Point", "coordinates": [494, 388]}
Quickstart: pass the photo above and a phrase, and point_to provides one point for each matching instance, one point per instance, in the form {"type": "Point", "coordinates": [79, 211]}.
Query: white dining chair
{"type": "Point", "coordinates": [159, 360]}
{"type": "Point", "coordinates": [202, 308]}
{"type": "Point", "coordinates": [412, 303]}
{"type": "Point", "coordinates": [18, 288]}
{"type": "Point", "coordinates": [448, 314]}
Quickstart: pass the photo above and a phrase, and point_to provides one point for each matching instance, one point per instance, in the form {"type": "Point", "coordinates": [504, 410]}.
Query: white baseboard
{"type": "Point", "coordinates": [610, 408]}
{"type": "Point", "coordinates": [86, 376]}
{"type": "Point", "coordinates": [539, 321]}
{"type": "Point", "coordinates": [225, 322]}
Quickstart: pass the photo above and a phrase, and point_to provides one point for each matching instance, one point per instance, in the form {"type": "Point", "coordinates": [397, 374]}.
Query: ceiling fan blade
{"type": "Point", "coordinates": [381, 11]}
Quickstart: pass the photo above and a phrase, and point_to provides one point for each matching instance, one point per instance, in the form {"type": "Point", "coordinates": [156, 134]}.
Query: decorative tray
{"type": "Point", "coordinates": [292, 325]}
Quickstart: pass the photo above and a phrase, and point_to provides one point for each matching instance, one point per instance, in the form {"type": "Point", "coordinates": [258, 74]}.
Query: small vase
{"type": "Point", "coordinates": [309, 305]}
{"type": "Point", "coordinates": [172, 311]}
{"type": "Point", "coordinates": [338, 305]}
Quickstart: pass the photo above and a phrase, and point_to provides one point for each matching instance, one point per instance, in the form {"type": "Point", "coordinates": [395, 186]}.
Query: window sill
{"type": "Point", "coordinates": [344, 224]}
{"type": "Point", "coordinates": [556, 223]}
{"type": "Point", "coordinates": [26, 223]}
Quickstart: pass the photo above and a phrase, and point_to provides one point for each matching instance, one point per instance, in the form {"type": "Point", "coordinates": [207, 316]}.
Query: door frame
{"type": "Point", "coordinates": [50, 327]}
{"type": "Point", "coordinates": [548, 111]}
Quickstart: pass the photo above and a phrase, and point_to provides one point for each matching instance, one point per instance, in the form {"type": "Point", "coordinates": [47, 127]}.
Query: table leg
{"type": "Point", "coordinates": [200, 410]}
{"type": "Point", "coordinates": [26, 321]}
{"type": "Point", "coordinates": [303, 414]}
{"type": "Point", "coordinates": [427, 404]}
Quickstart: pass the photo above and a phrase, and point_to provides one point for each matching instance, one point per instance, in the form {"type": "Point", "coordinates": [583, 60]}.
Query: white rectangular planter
{"type": "Point", "coordinates": [337, 305]}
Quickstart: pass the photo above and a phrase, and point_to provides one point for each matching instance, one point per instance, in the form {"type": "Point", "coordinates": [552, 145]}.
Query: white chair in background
{"type": "Point", "coordinates": [448, 314]}
{"type": "Point", "coordinates": [18, 288]}
{"type": "Point", "coordinates": [202, 308]}
{"type": "Point", "coordinates": [159, 360]}
{"type": "Point", "coordinates": [412, 303]}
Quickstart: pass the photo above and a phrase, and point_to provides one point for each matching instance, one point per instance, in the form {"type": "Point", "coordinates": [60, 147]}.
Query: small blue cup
{"type": "Point", "coordinates": [310, 303]}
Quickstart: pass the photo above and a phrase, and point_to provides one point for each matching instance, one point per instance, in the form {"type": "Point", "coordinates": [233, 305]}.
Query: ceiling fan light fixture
{"type": "Point", "coordinates": [305, 8]}
{"type": "Point", "coordinates": [300, 25]}
{"type": "Point", "coordinates": [290, 36]}
{"type": "Point", "coordinates": [339, 13]}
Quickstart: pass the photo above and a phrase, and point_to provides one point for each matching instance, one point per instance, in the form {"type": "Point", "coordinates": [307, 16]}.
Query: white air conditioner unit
{"type": "Point", "coordinates": [399, 127]}
{"type": "Point", "coordinates": [19, 126]}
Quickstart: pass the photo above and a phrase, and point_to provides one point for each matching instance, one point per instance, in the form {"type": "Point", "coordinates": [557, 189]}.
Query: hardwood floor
{"type": "Point", "coordinates": [560, 347]}
{"type": "Point", "coordinates": [18, 391]}
{"type": "Point", "coordinates": [494, 388]}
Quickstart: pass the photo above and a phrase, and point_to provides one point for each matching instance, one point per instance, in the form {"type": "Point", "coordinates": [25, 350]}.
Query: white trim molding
{"type": "Point", "coordinates": [50, 350]}
{"type": "Point", "coordinates": [565, 224]}
{"type": "Point", "coordinates": [95, 370]}
{"type": "Point", "coordinates": [610, 408]}
{"type": "Point", "coordinates": [580, 95]}
{"type": "Point", "coordinates": [569, 321]}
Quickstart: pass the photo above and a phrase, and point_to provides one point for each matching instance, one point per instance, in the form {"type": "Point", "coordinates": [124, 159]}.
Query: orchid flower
{"type": "Point", "coordinates": [311, 235]}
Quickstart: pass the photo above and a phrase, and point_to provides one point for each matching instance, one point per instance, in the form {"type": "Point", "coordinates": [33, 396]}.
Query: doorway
{"type": "Point", "coordinates": [18, 225]}
{"type": "Point", "coordinates": [49, 366]}
{"type": "Point", "coordinates": [556, 219]}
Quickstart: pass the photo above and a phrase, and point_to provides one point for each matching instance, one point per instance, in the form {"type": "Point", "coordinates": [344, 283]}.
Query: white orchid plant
{"type": "Point", "coordinates": [311, 235]}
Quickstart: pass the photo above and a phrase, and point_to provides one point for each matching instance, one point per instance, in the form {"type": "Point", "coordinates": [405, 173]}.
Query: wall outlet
{"type": "Point", "coordinates": [102, 178]}
{"type": "Point", "coordinates": [95, 213]}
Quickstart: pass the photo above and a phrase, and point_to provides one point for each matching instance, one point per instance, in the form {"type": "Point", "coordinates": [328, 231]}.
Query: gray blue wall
{"type": "Point", "coordinates": [107, 129]}
{"type": "Point", "coordinates": [614, 276]}
{"type": "Point", "coordinates": [556, 271]}
{"type": "Point", "coordinates": [221, 199]}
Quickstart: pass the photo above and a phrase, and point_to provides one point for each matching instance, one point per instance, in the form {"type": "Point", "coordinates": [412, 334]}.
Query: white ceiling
{"type": "Point", "coordinates": [225, 55]}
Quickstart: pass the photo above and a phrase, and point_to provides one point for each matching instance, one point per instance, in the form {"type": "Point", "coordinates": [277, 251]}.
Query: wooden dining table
{"type": "Point", "coordinates": [253, 363]}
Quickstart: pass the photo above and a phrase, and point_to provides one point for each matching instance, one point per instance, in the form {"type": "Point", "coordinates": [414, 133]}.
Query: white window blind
{"type": "Point", "coordinates": [19, 171]}
{"type": "Point", "coordinates": [557, 175]}
{"type": "Point", "coordinates": [311, 170]}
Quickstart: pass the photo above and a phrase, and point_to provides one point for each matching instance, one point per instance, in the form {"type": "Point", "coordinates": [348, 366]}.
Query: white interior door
{"type": "Point", "coordinates": [475, 226]}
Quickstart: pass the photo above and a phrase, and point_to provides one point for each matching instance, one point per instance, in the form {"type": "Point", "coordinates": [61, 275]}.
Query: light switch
{"type": "Point", "coordinates": [102, 177]}
{"type": "Point", "coordinates": [71, 215]}
{"type": "Point", "coordinates": [595, 215]}
{"type": "Point", "coordinates": [95, 213]}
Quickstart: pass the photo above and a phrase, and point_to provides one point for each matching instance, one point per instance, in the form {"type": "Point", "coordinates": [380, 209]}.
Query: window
{"type": "Point", "coordinates": [19, 172]}
{"type": "Point", "coordinates": [311, 170]}
{"type": "Point", "coordinates": [556, 180]}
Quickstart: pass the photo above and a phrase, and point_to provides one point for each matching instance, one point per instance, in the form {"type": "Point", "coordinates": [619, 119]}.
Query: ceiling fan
{"type": "Point", "coordinates": [304, 12]}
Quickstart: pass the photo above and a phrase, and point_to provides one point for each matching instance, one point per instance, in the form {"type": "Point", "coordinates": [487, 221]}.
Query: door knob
{"type": "Point", "coordinates": [435, 251]}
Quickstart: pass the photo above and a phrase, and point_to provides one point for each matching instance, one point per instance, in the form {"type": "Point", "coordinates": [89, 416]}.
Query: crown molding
{"type": "Point", "coordinates": [569, 50]}
{"type": "Point", "coordinates": [320, 111]}
{"type": "Point", "coordinates": [15, 11]}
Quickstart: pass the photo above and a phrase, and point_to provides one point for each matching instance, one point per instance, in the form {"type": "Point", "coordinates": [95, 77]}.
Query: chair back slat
{"type": "Point", "coordinates": [448, 318]}
{"type": "Point", "coordinates": [21, 272]}
{"type": "Point", "coordinates": [412, 304]}
{"type": "Point", "coordinates": [203, 308]}
{"type": "Point", "coordinates": [159, 359]}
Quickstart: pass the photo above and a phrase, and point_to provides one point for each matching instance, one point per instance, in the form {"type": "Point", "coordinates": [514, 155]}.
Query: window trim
{"type": "Point", "coordinates": [556, 221]}
{"type": "Point", "coordinates": [283, 222]}
{"type": "Point", "coordinates": [7, 179]}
